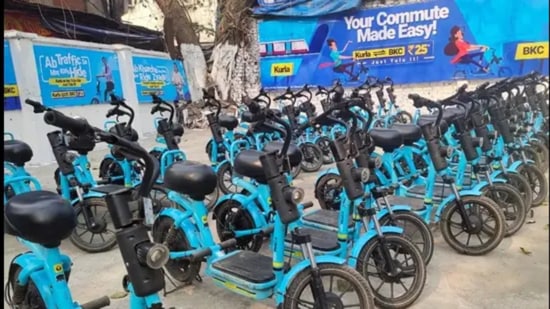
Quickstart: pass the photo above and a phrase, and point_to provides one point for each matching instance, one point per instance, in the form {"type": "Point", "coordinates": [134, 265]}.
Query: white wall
{"type": "Point", "coordinates": [30, 127]}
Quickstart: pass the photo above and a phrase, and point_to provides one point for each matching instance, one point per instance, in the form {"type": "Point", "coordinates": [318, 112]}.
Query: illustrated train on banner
{"type": "Point", "coordinates": [425, 42]}
{"type": "Point", "coordinates": [78, 76]}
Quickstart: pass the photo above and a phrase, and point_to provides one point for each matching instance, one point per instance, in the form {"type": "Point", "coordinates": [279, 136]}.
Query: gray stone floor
{"type": "Point", "coordinates": [505, 278]}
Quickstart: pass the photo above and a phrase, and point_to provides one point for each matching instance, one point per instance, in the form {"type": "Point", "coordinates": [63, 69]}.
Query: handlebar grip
{"type": "Point", "coordinates": [155, 109]}
{"type": "Point", "coordinates": [307, 205]}
{"type": "Point", "coordinates": [76, 126]}
{"type": "Point", "coordinates": [37, 106]}
{"type": "Point", "coordinates": [156, 98]}
{"type": "Point", "coordinates": [101, 302]}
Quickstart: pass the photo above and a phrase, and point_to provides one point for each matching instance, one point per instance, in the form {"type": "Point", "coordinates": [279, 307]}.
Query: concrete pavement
{"type": "Point", "coordinates": [505, 278]}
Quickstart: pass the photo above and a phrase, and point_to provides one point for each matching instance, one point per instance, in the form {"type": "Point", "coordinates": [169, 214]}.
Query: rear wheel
{"type": "Point", "coordinates": [165, 233]}
{"type": "Point", "coordinates": [29, 298]}
{"type": "Point", "coordinates": [534, 156]}
{"type": "Point", "coordinates": [109, 169]}
{"type": "Point", "coordinates": [312, 157]}
{"type": "Point", "coordinates": [403, 117]}
{"type": "Point", "coordinates": [338, 280]}
{"type": "Point", "coordinates": [327, 191]}
{"type": "Point", "coordinates": [323, 144]}
{"type": "Point", "coordinates": [225, 176]}
{"type": "Point", "coordinates": [98, 238]}
{"type": "Point", "coordinates": [231, 216]}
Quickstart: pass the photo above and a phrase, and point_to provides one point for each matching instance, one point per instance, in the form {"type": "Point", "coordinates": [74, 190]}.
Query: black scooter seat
{"type": "Point", "coordinates": [387, 139]}
{"type": "Point", "coordinates": [320, 240]}
{"type": "Point", "coordinates": [250, 266]}
{"type": "Point", "coordinates": [17, 152]}
{"type": "Point", "coordinates": [410, 132]}
{"type": "Point", "coordinates": [326, 217]}
{"type": "Point", "coordinates": [228, 122]}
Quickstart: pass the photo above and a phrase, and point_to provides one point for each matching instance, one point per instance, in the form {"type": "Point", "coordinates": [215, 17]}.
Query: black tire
{"type": "Point", "coordinates": [349, 278]}
{"type": "Point", "coordinates": [327, 191]}
{"type": "Point", "coordinates": [183, 270]}
{"type": "Point", "coordinates": [157, 154]}
{"type": "Point", "coordinates": [31, 298]}
{"type": "Point", "coordinates": [231, 216]}
{"type": "Point", "coordinates": [105, 229]}
{"type": "Point", "coordinates": [211, 199]}
{"type": "Point", "coordinates": [415, 229]}
{"type": "Point", "coordinates": [537, 182]}
{"type": "Point", "coordinates": [403, 117]}
{"type": "Point", "coordinates": [496, 233]}
{"type": "Point", "coordinates": [411, 268]}
{"type": "Point", "coordinates": [542, 151]}
{"type": "Point", "coordinates": [533, 155]}
{"type": "Point", "coordinates": [108, 168]}
{"type": "Point", "coordinates": [524, 187]}
{"type": "Point", "coordinates": [323, 144]}
{"type": "Point", "coordinates": [295, 171]}
{"type": "Point", "coordinates": [225, 173]}
{"type": "Point", "coordinates": [511, 202]}
{"type": "Point", "coordinates": [312, 157]}
{"type": "Point", "coordinates": [159, 199]}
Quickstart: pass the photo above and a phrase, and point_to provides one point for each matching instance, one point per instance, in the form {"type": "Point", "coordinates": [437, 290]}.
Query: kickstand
{"type": "Point", "coordinates": [531, 217]}
{"type": "Point", "coordinates": [175, 285]}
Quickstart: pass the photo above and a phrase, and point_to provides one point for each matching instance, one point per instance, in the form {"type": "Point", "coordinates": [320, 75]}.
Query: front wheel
{"type": "Point", "coordinates": [511, 202]}
{"type": "Point", "coordinates": [415, 229]}
{"type": "Point", "coordinates": [98, 238]}
{"type": "Point", "coordinates": [312, 157]}
{"type": "Point", "coordinates": [164, 232]}
{"type": "Point", "coordinates": [522, 184]}
{"type": "Point", "coordinates": [403, 117]}
{"type": "Point", "coordinates": [396, 279]}
{"type": "Point", "coordinates": [111, 171]}
{"type": "Point", "coordinates": [488, 222]}
{"type": "Point", "coordinates": [338, 280]}
{"type": "Point", "coordinates": [542, 151]}
{"type": "Point", "coordinates": [537, 182]}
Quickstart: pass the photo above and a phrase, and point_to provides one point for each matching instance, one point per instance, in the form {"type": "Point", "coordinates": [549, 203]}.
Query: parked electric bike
{"type": "Point", "coordinates": [17, 179]}
{"type": "Point", "coordinates": [41, 220]}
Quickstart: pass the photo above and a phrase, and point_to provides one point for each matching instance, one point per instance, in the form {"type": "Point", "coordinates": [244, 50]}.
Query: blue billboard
{"type": "Point", "coordinates": [11, 91]}
{"type": "Point", "coordinates": [415, 43]}
{"type": "Point", "coordinates": [162, 76]}
{"type": "Point", "coordinates": [75, 76]}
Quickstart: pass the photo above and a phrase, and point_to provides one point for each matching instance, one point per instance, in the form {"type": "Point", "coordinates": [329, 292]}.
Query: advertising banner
{"type": "Point", "coordinates": [424, 42]}
{"type": "Point", "coordinates": [11, 92]}
{"type": "Point", "coordinates": [75, 76]}
{"type": "Point", "coordinates": [162, 76]}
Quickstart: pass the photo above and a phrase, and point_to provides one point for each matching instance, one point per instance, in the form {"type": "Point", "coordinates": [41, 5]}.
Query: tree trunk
{"type": "Point", "coordinates": [182, 26]}
{"type": "Point", "coordinates": [232, 27]}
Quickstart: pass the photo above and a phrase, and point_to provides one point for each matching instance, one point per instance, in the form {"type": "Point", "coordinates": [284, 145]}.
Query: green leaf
{"type": "Point", "coordinates": [525, 251]}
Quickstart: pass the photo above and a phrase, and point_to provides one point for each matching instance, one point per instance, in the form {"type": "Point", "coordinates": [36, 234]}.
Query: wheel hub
{"type": "Point", "coordinates": [333, 301]}
{"type": "Point", "coordinates": [475, 220]}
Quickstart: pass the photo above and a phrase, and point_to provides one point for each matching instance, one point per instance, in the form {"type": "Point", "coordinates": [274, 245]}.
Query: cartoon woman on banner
{"type": "Point", "coordinates": [106, 73]}
{"type": "Point", "coordinates": [464, 52]}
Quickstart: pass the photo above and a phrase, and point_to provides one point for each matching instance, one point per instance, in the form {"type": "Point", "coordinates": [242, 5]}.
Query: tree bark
{"type": "Point", "coordinates": [182, 26]}
{"type": "Point", "coordinates": [232, 27]}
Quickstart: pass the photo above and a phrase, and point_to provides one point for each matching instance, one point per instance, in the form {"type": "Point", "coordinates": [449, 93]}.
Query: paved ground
{"type": "Point", "coordinates": [506, 278]}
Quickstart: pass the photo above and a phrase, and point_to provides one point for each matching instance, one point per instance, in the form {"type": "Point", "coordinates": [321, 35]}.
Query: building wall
{"type": "Point", "coordinates": [146, 13]}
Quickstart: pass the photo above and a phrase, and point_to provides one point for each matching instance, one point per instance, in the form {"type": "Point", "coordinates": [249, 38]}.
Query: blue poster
{"type": "Point", "coordinates": [11, 92]}
{"type": "Point", "coordinates": [416, 43]}
{"type": "Point", "coordinates": [76, 76]}
{"type": "Point", "coordinates": [162, 76]}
